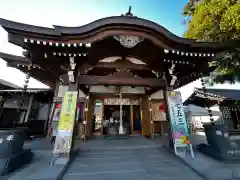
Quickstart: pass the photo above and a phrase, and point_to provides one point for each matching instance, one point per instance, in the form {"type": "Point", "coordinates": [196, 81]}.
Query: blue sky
{"type": "Point", "coordinates": [79, 12]}
{"type": "Point", "coordinates": [164, 12]}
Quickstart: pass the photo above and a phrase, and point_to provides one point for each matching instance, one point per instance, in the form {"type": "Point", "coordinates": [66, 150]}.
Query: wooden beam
{"type": "Point", "coordinates": [121, 81]}
{"type": "Point", "coordinates": [119, 65]}
{"type": "Point", "coordinates": [84, 89]}
{"type": "Point", "coordinates": [14, 59]}
{"type": "Point", "coordinates": [83, 68]}
{"type": "Point", "coordinates": [153, 90]}
{"type": "Point", "coordinates": [43, 76]}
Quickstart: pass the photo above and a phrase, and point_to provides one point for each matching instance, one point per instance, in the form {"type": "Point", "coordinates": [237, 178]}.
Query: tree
{"type": "Point", "coordinates": [217, 21]}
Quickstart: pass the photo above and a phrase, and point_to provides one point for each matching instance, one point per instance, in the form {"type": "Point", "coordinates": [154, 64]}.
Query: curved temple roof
{"type": "Point", "coordinates": [109, 23]}
{"type": "Point", "coordinates": [50, 48]}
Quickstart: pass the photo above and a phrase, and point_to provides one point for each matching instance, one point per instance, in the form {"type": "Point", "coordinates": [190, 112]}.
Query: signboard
{"type": "Point", "coordinates": [178, 121]}
{"type": "Point", "coordinates": [119, 101]}
{"type": "Point", "coordinates": [158, 113]}
{"type": "Point", "coordinates": [66, 124]}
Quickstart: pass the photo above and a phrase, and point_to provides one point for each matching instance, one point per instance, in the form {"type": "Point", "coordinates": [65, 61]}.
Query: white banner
{"type": "Point", "coordinates": [177, 119]}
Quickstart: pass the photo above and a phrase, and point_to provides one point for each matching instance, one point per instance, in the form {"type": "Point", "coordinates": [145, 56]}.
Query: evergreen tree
{"type": "Point", "coordinates": [216, 21]}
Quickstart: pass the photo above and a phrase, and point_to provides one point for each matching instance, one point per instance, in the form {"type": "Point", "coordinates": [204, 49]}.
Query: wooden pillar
{"type": "Point", "coordinates": [141, 115]}
{"type": "Point", "coordinates": [29, 108]}
{"type": "Point", "coordinates": [49, 117]}
{"type": "Point", "coordinates": [64, 143]}
{"type": "Point", "coordinates": [131, 118]}
{"type": "Point", "coordinates": [150, 117]}
{"type": "Point", "coordinates": [167, 89]}
{"type": "Point", "coordinates": [121, 115]}
{"type": "Point", "coordinates": [49, 126]}
{"type": "Point", "coordinates": [83, 129]}
{"type": "Point", "coordinates": [102, 114]}
{"type": "Point", "coordinates": [90, 103]}
{"type": "Point", "coordinates": [87, 116]}
{"type": "Point", "coordinates": [52, 110]}
{"type": "Point", "coordinates": [168, 119]}
{"type": "Point", "coordinates": [145, 116]}
{"type": "Point", "coordinates": [1, 108]}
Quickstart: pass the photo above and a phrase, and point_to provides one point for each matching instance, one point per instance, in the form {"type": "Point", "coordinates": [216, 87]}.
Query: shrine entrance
{"type": "Point", "coordinates": [111, 120]}
{"type": "Point", "coordinates": [112, 112]}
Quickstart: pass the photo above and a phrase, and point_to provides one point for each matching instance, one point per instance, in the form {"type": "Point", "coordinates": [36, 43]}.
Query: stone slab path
{"type": "Point", "coordinates": [134, 158]}
{"type": "Point", "coordinates": [213, 169]}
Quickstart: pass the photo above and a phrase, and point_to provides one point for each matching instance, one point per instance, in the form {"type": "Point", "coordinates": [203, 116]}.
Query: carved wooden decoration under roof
{"type": "Point", "coordinates": [128, 41]}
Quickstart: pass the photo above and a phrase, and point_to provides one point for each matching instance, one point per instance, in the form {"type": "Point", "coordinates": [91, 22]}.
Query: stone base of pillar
{"type": "Point", "coordinates": [121, 129]}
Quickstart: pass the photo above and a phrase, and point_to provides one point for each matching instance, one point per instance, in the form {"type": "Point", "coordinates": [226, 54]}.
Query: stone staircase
{"type": "Point", "coordinates": [134, 158]}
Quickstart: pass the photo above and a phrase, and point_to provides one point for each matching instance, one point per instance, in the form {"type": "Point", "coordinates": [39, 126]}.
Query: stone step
{"type": "Point", "coordinates": [131, 164]}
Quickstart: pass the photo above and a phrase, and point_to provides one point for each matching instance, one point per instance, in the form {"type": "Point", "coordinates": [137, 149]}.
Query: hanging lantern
{"type": "Point", "coordinates": [58, 106]}
{"type": "Point", "coordinates": [102, 98]}
{"type": "Point", "coordinates": [208, 108]}
{"type": "Point", "coordinates": [25, 86]}
{"type": "Point", "coordinates": [161, 107]}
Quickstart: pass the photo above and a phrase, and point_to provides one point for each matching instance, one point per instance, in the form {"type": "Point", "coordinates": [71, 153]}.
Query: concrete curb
{"type": "Point", "coordinates": [64, 170]}
{"type": "Point", "coordinates": [55, 172]}
{"type": "Point", "coordinates": [170, 151]}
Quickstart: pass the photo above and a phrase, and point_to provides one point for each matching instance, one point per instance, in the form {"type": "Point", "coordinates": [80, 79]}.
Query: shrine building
{"type": "Point", "coordinates": [120, 66]}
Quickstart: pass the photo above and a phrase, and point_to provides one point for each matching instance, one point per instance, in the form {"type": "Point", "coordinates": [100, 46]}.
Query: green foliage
{"type": "Point", "coordinates": [212, 20]}
{"type": "Point", "coordinates": [216, 20]}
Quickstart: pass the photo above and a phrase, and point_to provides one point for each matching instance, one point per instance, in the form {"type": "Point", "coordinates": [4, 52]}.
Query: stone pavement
{"type": "Point", "coordinates": [212, 169]}
{"type": "Point", "coordinates": [207, 167]}
{"type": "Point", "coordinates": [134, 158]}
{"type": "Point", "coordinates": [40, 161]}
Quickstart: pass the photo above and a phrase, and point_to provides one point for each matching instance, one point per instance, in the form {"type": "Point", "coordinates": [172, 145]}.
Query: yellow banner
{"type": "Point", "coordinates": [68, 111]}
{"type": "Point", "coordinates": [66, 124]}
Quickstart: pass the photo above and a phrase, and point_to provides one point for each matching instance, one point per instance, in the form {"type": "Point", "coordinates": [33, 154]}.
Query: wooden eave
{"type": "Point", "coordinates": [41, 95]}
{"type": "Point", "coordinates": [145, 51]}
{"type": "Point", "coordinates": [189, 61]}
{"type": "Point", "coordinates": [110, 26]}
{"type": "Point", "coordinates": [37, 72]}
{"type": "Point", "coordinates": [42, 76]}
{"type": "Point", "coordinates": [29, 90]}
{"type": "Point", "coordinates": [204, 99]}
{"type": "Point", "coordinates": [199, 101]}
{"type": "Point", "coordinates": [49, 72]}
{"type": "Point", "coordinates": [14, 59]}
